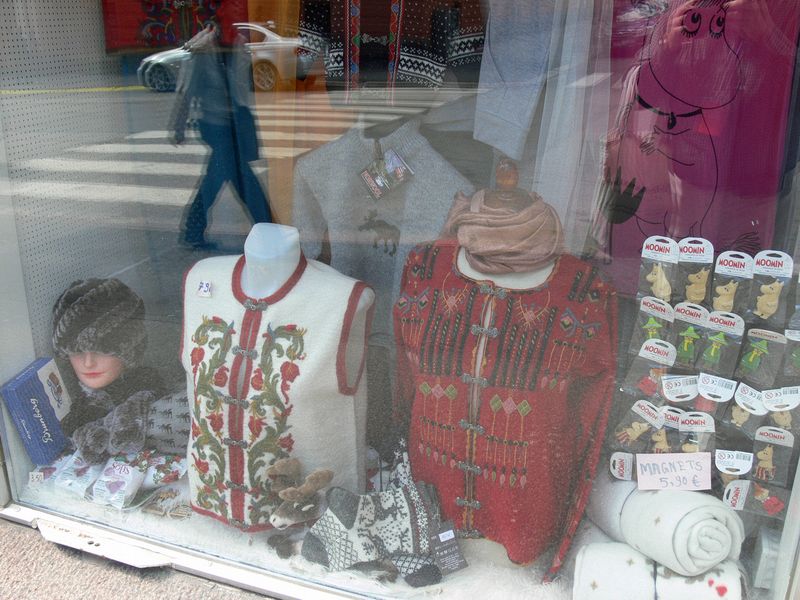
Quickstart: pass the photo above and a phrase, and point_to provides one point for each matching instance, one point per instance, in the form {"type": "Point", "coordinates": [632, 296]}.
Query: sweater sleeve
{"type": "Point", "coordinates": [592, 397]}
{"type": "Point", "coordinates": [307, 215]}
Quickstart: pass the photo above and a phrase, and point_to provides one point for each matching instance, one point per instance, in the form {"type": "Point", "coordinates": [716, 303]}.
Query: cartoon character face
{"type": "Point", "coordinates": [782, 418]}
{"type": "Point", "coordinates": [725, 293]}
{"type": "Point", "coordinates": [636, 429]}
{"type": "Point", "coordinates": [700, 277]}
{"type": "Point", "coordinates": [690, 56]}
{"type": "Point", "coordinates": [660, 436]}
{"type": "Point", "coordinates": [739, 416]}
{"type": "Point", "coordinates": [772, 289]}
{"type": "Point", "coordinates": [765, 454]}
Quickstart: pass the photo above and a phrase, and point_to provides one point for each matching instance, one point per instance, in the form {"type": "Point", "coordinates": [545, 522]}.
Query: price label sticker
{"type": "Point", "coordinates": [677, 471]}
{"type": "Point", "coordinates": [35, 478]}
{"type": "Point", "coordinates": [204, 289]}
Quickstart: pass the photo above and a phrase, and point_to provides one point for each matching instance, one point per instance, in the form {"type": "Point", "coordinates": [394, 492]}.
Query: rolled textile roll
{"type": "Point", "coordinates": [723, 582]}
{"type": "Point", "coordinates": [615, 571]}
{"type": "Point", "coordinates": [587, 533]}
{"type": "Point", "coordinates": [688, 532]}
{"type": "Point", "coordinates": [606, 503]}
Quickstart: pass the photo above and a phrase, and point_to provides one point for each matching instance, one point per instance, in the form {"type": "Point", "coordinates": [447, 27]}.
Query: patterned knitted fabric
{"type": "Point", "coordinates": [424, 38]}
{"type": "Point", "coordinates": [505, 393]}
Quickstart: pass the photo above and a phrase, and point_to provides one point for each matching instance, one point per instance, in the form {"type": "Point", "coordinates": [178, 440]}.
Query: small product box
{"type": "Point", "coordinates": [37, 401]}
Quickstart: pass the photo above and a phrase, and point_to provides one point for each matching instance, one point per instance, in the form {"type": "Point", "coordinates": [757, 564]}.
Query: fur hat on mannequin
{"type": "Point", "coordinates": [100, 315]}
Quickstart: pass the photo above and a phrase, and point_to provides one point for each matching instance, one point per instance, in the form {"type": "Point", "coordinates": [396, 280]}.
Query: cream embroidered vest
{"type": "Point", "coordinates": [267, 379]}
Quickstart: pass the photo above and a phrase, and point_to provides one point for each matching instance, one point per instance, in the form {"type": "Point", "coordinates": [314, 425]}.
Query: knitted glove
{"type": "Point", "coordinates": [121, 430]}
{"type": "Point", "coordinates": [357, 529]}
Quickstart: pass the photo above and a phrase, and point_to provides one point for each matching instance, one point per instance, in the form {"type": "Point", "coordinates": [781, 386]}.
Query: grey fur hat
{"type": "Point", "coordinates": [100, 315]}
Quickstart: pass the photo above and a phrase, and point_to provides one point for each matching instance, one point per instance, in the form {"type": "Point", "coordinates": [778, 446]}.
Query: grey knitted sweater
{"type": "Point", "coordinates": [369, 239]}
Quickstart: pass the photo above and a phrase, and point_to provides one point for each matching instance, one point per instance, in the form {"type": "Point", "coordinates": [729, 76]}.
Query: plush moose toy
{"type": "Point", "coordinates": [301, 498]}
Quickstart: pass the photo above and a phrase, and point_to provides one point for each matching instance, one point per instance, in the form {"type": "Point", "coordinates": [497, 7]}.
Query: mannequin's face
{"type": "Point", "coordinates": [96, 370]}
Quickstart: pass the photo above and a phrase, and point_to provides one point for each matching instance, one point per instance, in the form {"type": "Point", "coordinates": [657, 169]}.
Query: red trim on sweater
{"type": "Point", "coordinates": [341, 353]}
{"type": "Point", "coordinates": [236, 282]}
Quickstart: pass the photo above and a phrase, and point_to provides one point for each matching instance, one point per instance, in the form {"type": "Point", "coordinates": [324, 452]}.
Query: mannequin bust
{"type": "Point", "coordinates": [271, 254]}
{"type": "Point", "coordinates": [507, 194]}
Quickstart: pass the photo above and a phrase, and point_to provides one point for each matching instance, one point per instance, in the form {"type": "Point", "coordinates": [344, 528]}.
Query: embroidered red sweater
{"type": "Point", "coordinates": [505, 394]}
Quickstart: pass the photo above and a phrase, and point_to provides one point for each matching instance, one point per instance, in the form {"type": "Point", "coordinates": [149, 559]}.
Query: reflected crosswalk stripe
{"type": "Point", "coordinates": [287, 128]}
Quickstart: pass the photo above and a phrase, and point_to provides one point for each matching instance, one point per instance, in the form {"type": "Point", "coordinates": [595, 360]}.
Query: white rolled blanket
{"type": "Point", "coordinates": [688, 532]}
{"type": "Point", "coordinates": [615, 571]}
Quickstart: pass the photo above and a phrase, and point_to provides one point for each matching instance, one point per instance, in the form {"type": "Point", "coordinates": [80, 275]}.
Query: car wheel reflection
{"type": "Point", "coordinates": [265, 76]}
{"type": "Point", "coordinates": [159, 79]}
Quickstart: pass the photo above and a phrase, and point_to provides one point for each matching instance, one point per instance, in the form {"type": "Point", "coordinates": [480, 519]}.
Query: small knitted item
{"type": "Point", "coordinates": [100, 315]}
{"type": "Point", "coordinates": [356, 529]}
{"type": "Point", "coordinates": [123, 430]}
{"type": "Point", "coordinates": [168, 422]}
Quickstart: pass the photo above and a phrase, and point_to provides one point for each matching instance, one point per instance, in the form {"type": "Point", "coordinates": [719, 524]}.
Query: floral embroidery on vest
{"type": "Point", "coordinates": [262, 413]}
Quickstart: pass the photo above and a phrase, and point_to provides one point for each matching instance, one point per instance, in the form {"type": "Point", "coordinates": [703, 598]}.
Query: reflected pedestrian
{"type": "Point", "coordinates": [215, 85]}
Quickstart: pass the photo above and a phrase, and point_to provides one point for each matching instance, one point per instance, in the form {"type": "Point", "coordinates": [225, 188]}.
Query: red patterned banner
{"type": "Point", "coordinates": [137, 24]}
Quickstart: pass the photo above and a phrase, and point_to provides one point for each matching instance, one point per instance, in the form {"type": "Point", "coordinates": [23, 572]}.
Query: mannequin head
{"type": "Point", "coordinates": [96, 370]}
{"type": "Point", "coordinates": [98, 325]}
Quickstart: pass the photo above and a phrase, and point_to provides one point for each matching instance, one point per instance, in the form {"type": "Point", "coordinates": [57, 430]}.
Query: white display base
{"type": "Point", "coordinates": [207, 548]}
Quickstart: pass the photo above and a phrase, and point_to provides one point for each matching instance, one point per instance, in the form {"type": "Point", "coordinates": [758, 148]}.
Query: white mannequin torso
{"type": "Point", "coordinates": [511, 281]}
{"type": "Point", "coordinates": [271, 253]}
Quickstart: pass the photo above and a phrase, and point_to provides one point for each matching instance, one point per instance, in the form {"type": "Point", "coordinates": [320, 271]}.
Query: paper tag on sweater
{"type": "Point", "coordinates": [386, 173]}
{"type": "Point", "coordinates": [204, 289]}
{"type": "Point", "coordinates": [677, 471]}
{"type": "Point", "coordinates": [445, 550]}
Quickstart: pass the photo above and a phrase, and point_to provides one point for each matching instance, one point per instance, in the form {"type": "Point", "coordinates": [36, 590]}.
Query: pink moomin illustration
{"type": "Point", "coordinates": [662, 170]}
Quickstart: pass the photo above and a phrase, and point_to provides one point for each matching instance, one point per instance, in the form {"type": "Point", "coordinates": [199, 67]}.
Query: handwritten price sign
{"type": "Point", "coordinates": [674, 471]}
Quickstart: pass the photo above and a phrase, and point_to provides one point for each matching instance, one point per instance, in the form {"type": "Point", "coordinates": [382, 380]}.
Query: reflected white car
{"type": "Point", "coordinates": [275, 58]}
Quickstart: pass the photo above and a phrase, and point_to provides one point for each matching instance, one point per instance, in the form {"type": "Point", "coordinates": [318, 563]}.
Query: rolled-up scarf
{"type": "Point", "coordinates": [505, 240]}
{"type": "Point", "coordinates": [618, 572]}
{"type": "Point", "coordinates": [688, 532]}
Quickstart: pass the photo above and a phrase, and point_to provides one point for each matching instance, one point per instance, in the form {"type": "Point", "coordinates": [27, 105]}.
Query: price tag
{"type": "Point", "coordinates": [204, 289]}
{"type": "Point", "coordinates": [35, 478]}
{"type": "Point", "coordinates": [677, 471]}
{"type": "Point", "coordinates": [444, 547]}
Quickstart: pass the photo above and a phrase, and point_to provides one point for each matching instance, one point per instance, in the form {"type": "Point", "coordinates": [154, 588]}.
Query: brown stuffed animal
{"type": "Point", "coordinates": [300, 502]}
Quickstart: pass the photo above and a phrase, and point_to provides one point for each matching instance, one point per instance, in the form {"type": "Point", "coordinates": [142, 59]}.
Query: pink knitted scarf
{"type": "Point", "coordinates": [504, 240]}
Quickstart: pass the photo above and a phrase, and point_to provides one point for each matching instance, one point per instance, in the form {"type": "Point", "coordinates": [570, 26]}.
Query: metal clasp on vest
{"type": "Point", "coordinates": [233, 442]}
{"type": "Point", "coordinates": [237, 523]}
{"type": "Point", "coordinates": [236, 401]}
{"type": "Point", "coordinates": [493, 291]}
{"type": "Point", "coordinates": [481, 381]}
{"type": "Point", "coordinates": [478, 330]}
{"type": "Point", "coordinates": [473, 534]}
{"type": "Point", "coordinates": [469, 467]}
{"type": "Point", "coordinates": [236, 486]}
{"type": "Point", "coordinates": [474, 504]}
{"type": "Point", "coordinates": [249, 304]}
{"type": "Point", "coordinates": [251, 354]}
{"type": "Point", "coordinates": [464, 424]}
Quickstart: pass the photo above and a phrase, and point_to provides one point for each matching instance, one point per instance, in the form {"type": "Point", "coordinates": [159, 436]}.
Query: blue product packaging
{"type": "Point", "coordinates": [37, 401]}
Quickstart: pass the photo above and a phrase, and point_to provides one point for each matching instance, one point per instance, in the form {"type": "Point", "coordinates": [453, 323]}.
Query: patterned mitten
{"type": "Point", "coordinates": [357, 529]}
{"type": "Point", "coordinates": [168, 422]}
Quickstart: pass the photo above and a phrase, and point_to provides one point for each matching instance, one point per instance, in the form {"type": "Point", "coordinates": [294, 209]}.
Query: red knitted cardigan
{"type": "Point", "coordinates": [505, 394]}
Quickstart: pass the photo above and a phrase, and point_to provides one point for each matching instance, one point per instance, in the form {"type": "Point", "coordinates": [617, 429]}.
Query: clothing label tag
{"type": "Point", "coordinates": [716, 388]}
{"type": "Point", "coordinates": [679, 389]}
{"type": "Point", "coordinates": [204, 289]}
{"type": "Point", "coordinates": [446, 553]}
{"type": "Point", "coordinates": [384, 175]}
{"type": "Point", "coordinates": [621, 465]}
{"type": "Point", "coordinates": [674, 471]}
{"type": "Point", "coordinates": [733, 462]}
